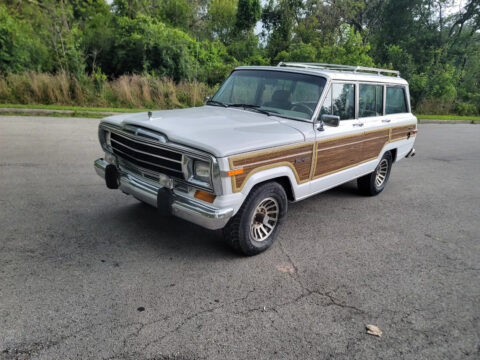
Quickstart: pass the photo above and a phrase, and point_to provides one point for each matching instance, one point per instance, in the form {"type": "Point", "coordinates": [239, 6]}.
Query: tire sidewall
{"type": "Point", "coordinates": [377, 189]}
{"type": "Point", "coordinates": [273, 190]}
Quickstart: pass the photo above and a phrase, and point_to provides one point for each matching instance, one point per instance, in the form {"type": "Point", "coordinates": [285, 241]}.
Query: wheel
{"type": "Point", "coordinates": [373, 183]}
{"type": "Point", "coordinates": [255, 226]}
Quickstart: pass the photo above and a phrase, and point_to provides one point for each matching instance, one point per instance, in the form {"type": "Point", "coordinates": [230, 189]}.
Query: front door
{"type": "Point", "coordinates": [338, 148]}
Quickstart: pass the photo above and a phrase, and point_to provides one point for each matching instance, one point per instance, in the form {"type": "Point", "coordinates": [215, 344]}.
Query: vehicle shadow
{"type": "Point", "coordinates": [348, 189]}
{"type": "Point", "coordinates": [139, 224]}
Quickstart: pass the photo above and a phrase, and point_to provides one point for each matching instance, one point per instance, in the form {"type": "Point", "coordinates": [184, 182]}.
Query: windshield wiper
{"type": "Point", "coordinates": [216, 103]}
{"type": "Point", "coordinates": [252, 107]}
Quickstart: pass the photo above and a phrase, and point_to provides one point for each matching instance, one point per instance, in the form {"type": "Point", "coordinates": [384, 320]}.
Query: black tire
{"type": "Point", "coordinates": [368, 185]}
{"type": "Point", "coordinates": [239, 233]}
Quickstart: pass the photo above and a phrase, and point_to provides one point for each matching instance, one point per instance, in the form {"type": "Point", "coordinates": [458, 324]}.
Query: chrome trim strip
{"type": "Point", "coordinates": [147, 162]}
{"type": "Point", "coordinates": [185, 151]}
{"type": "Point", "coordinates": [143, 152]}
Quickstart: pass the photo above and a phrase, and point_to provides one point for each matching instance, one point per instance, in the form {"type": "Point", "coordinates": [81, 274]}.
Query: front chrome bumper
{"type": "Point", "coordinates": [183, 207]}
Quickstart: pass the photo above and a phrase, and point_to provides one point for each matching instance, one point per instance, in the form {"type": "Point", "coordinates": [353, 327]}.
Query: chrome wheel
{"type": "Point", "coordinates": [381, 173]}
{"type": "Point", "coordinates": [264, 219]}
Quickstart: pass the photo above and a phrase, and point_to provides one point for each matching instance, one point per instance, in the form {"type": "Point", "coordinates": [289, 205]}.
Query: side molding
{"type": "Point", "coordinates": [309, 161]}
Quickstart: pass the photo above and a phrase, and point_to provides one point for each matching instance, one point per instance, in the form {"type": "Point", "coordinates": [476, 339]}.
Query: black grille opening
{"type": "Point", "coordinates": [149, 166]}
{"type": "Point", "coordinates": [147, 156]}
{"type": "Point", "coordinates": [140, 156]}
{"type": "Point", "coordinates": [147, 148]}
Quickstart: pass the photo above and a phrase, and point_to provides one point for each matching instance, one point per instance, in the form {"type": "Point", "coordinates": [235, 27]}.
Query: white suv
{"type": "Point", "coordinates": [269, 135]}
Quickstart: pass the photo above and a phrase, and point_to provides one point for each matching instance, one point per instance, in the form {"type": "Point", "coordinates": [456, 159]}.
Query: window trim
{"type": "Point", "coordinates": [357, 83]}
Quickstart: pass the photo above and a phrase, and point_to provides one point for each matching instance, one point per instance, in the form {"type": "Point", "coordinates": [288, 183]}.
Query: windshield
{"type": "Point", "coordinates": [278, 93]}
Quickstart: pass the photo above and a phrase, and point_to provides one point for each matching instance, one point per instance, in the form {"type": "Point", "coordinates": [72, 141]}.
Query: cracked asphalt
{"type": "Point", "coordinates": [79, 263]}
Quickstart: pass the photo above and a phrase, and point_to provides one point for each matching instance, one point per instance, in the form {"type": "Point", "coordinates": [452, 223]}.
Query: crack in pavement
{"type": "Point", "coordinates": [40, 346]}
{"type": "Point", "coordinates": [182, 322]}
{"type": "Point", "coordinates": [306, 291]}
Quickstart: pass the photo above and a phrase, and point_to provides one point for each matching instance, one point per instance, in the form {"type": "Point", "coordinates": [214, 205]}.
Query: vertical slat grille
{"type": "Point", "coordinates": [146, 156]}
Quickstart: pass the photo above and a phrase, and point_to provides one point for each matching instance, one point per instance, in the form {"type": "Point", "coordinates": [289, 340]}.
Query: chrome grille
{"type": "Point", "coordinates": [146, 156]}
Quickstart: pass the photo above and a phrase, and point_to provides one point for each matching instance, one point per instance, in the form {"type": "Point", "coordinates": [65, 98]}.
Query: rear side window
{"type": "Point", "coordinates": [396, 102]}
{"type": "Point", "coordinates": [370, 101]}
{"type": "Point", "coordinates": [340, 101]}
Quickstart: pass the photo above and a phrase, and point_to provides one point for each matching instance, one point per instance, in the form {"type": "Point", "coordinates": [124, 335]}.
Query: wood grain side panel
{"type": "Point", "coordinates": [298, 158]}
{"type": "Point", "coordinates": [334, 155]}
{"type": "Point", "coordinates": [331, 155]}
{"type": "Point", "coordinates": [401, 132]}
{"type": "Point", "coordinates": [374, 142]}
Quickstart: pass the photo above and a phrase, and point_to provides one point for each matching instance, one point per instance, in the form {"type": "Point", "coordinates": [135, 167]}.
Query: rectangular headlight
{"type": "Point", "coordinates": [201, 171]}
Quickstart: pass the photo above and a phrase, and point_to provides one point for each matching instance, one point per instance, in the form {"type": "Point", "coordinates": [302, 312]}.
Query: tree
{"type": "Point", "coordinates": [221, 19]}
{"type": "Point", "coordinates": [279, 22]}
{"type": "Point", "coordinates": [248, 13]}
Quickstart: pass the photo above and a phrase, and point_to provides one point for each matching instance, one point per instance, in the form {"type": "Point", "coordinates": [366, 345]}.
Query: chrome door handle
{"type": "Point", "coordinates": [358, 124]}
{"type": "Point", "coordinates": [386, 120]}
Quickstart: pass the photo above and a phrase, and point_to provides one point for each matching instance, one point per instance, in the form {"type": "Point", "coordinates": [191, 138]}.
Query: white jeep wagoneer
{"type": "Point", "coordinates": [269, 135]}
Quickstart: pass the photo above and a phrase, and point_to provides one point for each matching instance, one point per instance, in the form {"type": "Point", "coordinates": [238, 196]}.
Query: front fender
{"type": "Point", "coordinates": [261, 175]}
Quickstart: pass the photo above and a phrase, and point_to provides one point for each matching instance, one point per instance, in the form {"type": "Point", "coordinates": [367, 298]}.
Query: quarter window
{"type": "Point", "coordinates": [340, 101]}
{"type": "Point", "coordinates": [370, 101]}
{"type": "Point", "coordinates": [396, 100]}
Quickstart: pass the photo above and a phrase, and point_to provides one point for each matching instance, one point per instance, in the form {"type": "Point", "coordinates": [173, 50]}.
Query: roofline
{"type": "Point", "coordinates": [328, 73]}
{"type": "Point", "coordinates": [338, 67]}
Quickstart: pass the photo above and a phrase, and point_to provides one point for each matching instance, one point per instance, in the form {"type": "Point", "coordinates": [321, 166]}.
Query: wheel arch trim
{"type": "Point", "coordinates": [271, 173]}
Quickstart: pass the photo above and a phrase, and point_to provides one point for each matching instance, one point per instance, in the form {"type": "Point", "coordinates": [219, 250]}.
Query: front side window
{"type": "Point", "coordinates": [370, 102]}
{"type": "Point", "coordinates": [340, 101]}
{"type": "Point", "coordinates": [279, 93]}
{"type": "Point", "coordinates": [395, 101]}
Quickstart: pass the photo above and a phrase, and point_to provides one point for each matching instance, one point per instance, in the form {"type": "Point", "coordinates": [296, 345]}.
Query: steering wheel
{"type": "Point", "coordinates": [302, 108]}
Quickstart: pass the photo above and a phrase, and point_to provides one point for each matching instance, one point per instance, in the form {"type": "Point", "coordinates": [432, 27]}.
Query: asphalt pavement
{"type": "Point", "coordinates": [90, 273]}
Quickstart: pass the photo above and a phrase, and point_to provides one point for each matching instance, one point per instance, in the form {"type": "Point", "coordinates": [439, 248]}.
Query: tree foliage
{"type": "Point", "coordinates": [435, 45]}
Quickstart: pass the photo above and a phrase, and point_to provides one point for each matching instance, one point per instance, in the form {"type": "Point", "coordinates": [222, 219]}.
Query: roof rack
{"type": "Point", "coordinates": [337, 67]}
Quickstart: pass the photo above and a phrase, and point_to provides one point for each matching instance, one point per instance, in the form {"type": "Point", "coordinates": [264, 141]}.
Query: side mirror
{"type": "Point", "coordinates": [207, 98]}
{"type": "Point", "coordinates": [330, 120]}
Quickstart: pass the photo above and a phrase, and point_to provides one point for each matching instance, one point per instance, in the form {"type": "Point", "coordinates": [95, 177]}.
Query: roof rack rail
{"type": "Point", "coordinates": [338, 67]}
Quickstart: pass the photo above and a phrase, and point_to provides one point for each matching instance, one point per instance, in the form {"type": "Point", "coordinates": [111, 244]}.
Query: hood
{"type": "Point", "coordinates": [216, 130]}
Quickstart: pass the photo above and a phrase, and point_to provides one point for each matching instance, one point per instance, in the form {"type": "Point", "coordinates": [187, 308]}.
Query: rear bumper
{"type": "Point", "coordinates": [411, 153]}
{"type": "Point", "coordinates": [167, 201]}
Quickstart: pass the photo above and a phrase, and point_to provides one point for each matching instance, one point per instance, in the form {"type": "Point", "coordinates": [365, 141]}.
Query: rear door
{"type": "Point", "coordinates": [371, 113]}
{"type": "Point", "coordinates": [397, 112]}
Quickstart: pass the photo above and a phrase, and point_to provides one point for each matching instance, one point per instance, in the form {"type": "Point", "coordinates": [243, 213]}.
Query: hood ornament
{"type": "Point", "coordinates": [149, 116]}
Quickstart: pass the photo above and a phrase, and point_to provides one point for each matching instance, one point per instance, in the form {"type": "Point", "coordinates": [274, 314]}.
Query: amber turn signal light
{"type": "Point", "coordinates": [202, 195]}
{"type": "Point", "coordinates": [235, 172]}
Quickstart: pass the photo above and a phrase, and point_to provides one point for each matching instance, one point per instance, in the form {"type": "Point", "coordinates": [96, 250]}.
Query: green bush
{"type": "Point", "coordinates": [462, 108]}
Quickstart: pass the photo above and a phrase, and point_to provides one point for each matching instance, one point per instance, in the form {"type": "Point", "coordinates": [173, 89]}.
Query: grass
{"type": "Point", "coordinates": [127, 93]}
{"type": "Point", "coordinates": [91, 115]}
{"type": "Point", "coordinates": [72, 108]}
{"type": "Point", "coordinates": [96, 112]}
{"type": "Point", "coordinates": [448, 117]}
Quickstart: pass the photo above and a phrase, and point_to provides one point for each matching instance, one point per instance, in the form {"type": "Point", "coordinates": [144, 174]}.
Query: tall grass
{"type": "Point", "coordinates": [127, 91]}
